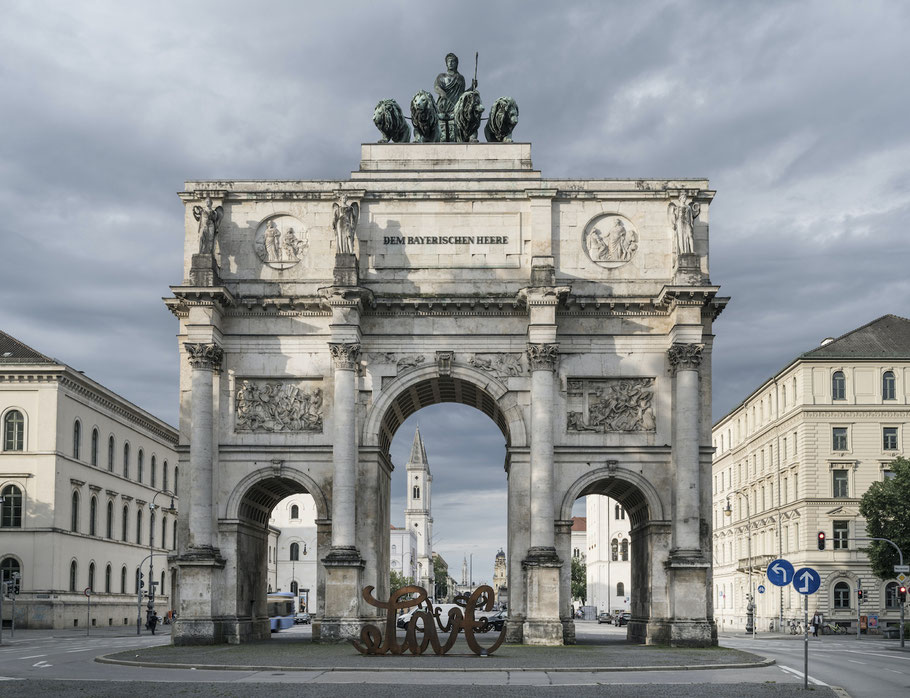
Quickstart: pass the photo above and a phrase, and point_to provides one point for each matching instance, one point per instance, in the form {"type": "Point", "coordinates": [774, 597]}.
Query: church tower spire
{"type": "Point", "coordinates": [417, 515]}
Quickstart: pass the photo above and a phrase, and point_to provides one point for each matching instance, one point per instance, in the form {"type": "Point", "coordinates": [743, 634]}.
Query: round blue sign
{"type": "Point", "coordinates": [806, 580]}
{"type": "Point", "coordinates": [761, 588]}
{"type": "Point", "coordinates": [780, 573]}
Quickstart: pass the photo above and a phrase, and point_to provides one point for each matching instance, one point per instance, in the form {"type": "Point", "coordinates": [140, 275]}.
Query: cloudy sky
{"type": "Point", "coordinates": [796, 111]}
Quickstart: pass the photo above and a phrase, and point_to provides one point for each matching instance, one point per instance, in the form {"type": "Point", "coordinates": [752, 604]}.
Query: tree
{"type": "Point", "coordinates": [398, 580]}
{"type": "Point", "coordinates": [441, 575]}
{"type": "Point", "coordinates": [886, 508]}
{"type": "Point", "coordinates": [579, 580]}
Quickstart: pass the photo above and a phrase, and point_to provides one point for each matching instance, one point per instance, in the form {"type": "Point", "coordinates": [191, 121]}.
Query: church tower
{"type": "Point", "coordinates": [417, 514]}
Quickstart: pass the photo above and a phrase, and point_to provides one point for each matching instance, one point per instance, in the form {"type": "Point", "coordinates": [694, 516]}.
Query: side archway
{"type": "Point", "coordinates": [254, 497]}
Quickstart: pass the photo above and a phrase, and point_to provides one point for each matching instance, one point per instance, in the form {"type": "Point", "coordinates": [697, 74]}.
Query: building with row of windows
{"type": "Point", "coordinates": [292, 550]}
{"type": "Point", "coordinates": [607, 554]}
{"type": "Point", "coordinates": [793, 459]}
{"type": "Point", "coordinates": [89, 486]}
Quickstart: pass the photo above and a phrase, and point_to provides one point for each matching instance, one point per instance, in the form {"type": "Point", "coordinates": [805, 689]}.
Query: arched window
{"type": "Point", "coordinates": [110, 454]}
{"type": "Point", "coordinates": [151, 529]}
{"type": "Point", "coordinates": [620, 589]}
{"type": "Point", "coordinates": [625, 551]}
{"type": "Point", "coordinates": [889, 389]}
{"type": "Point", "coordinates": [174, 536]}
{"type": "Point", "coordinates": [73, 576]}
{"type": "Point", "coordinates": [74, 519]}
{"type": "Point", "coordinates": [161, 586]}
{"type": "Point", "coordinates": [139, 526]}
{"type": "Point", "coordinates": [163, 532]}
{"type": "Point", "coordinates": [294, 588]}
{"type": "Point", "coordinates": [123, 579]}
{"type": "Point", "coordinates": [8, 568]}
{"type": "Point", "coordinates": [109, 528]}
{"type": "Point", "coordinates": [891, 595]}
{"type": "Point", "coordinates": [295, 552]}
{"type": "Point", "coordinates": [91, 576]}
{"type": "Point", "coordinates": [614, 550]}
{"type": "Point", "coordinates": [838, 386]}
{"type": "Point", "coordinates": [125, 523]}
{"type": "Point", "coordinates": [295, 511]}
{"type": "Point", "coordinates": [176, 475]}
{"type": "Point", "coordinates": [154, 473]}
{"type": "Point", "coordinates": [842, 595]}
{"type": "Point", "coordinates": [11, 508]}
{"type": "Point", "coordinates": [94, 447]}
{"type": "Point", "coordinates": [126, 460]}
{"type": "Point", "coordinates": [92, 515]}
{"type": "Point", "coordinates": [576, 552]}
{"type": "Point", "coordinates": [139, 464]}
{"type": "Point", "coordinates": [13, 431]}
{"type": "Point", "coordinates": [164, 475]}
{"type": "Point", "coordinates": [107, 579]}
{"type": "Point", "coordinates": [77, 438]}
{"type": "Point", "coordinates": [416, 493]}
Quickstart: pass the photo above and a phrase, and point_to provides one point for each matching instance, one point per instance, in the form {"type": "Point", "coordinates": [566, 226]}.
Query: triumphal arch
{"type": "Point", "coordinates": [316, 316]}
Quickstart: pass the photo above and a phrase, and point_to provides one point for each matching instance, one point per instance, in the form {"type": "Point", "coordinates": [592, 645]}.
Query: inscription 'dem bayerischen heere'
{"type": "Point", "coordinates": [446, 240]}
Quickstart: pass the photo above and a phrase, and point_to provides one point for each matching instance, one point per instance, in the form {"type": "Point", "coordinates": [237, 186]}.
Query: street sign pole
{"type": "Point", "coordinates": [806, 643]}
{"type": "Point", "coordinates": [88, 614]}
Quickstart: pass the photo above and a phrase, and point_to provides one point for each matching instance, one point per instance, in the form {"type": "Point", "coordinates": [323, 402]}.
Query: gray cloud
{"type": "Point", "coordinates": [795, 111]}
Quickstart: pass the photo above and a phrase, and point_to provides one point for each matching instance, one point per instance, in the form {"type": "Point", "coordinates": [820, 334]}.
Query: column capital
{"type": "Point", "coordinates": [543, 357]}
{"type": "Point", "coordinates": [685, 357]}
{"type": "Point", "coordinates": [345, 355]}
{"type": "Point", "coordinates": [207, 356]}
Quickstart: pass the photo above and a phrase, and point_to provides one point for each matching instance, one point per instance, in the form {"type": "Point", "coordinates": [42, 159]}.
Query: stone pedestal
{"type": "Point", "coordinates": [343, 574]}
{"type": "Point", "coordinates": [542, 625]}
{"type": "Point", "coordinates": [196, 622]}
{"type": "Point", "coordinates": [204, 270]}
{"type": "Point", "coordinates": [688, 270]}
{"type": "Point", "coordinates": [689, 577]}
{"type": "Point", "coordinates": [345, 272]}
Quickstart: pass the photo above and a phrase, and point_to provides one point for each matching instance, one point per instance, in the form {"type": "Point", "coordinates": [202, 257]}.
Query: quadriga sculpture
{"type": "Point", "coordinates": [503, 120]}
{"type": "Point", "coordinates": [424, 118]}
{"type": "Point", "coordinates": [391, 123]}
{"type": "Point", "coordinates": [468, 110]}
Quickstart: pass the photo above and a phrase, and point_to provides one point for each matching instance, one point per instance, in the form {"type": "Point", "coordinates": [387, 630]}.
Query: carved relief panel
{"type": "Point", "coordinates": [281, 242]}
{"type": "Point", "coordinates": [610, 240]}
{"type": "Point", "coordinates": [284, 405]}
{"type": "Point", "coordinates": [610, 405]}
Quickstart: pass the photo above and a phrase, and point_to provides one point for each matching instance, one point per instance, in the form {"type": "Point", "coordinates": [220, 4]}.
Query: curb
{"type": "Point", "coordinates": [107, 659]}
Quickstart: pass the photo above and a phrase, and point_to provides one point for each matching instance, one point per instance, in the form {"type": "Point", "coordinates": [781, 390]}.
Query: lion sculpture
{"type": "Point", "coordinates": [391, 123]}
{"type": "Point", "coordinates": [503, 120]}
{"type": "Point", "coordinates": [425, 118]}
{"type": "Point", "coordinates": [468, 110]}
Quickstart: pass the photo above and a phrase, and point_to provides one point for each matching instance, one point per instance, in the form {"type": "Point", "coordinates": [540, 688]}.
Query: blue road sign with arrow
{"type": "Point", "coordinates": [807, 580]}
{"type": "Point", "coordinates": [780, 573]}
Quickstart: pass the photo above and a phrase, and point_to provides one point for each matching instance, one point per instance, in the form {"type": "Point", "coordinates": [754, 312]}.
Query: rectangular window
{"type": "Point", "coordinates": [784, 449]}
{"type": "Point", "coordinates": [839, 480]}
{"type": "Point", "coordinates": [889, 438]}
{"type": "Point", "coordinates": [839, 439]}
{"type": "Point", "coordinates": [887, 474]}
{"type": "Point", "coordinates": [841, 532]}
{"type": "Point", "coordinates": [784, 493]}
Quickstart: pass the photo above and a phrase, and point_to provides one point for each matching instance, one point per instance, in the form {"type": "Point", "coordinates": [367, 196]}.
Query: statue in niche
{"type": "Point", "coordinates": [682, 214]}
{"type": "Point", "coordinates": [503, 120]}
{"type": "Point", "coordinates": [278, 244]}
{"type": "Point", "coordinates": [209, 219]}
{"type": "Point", "coordinates": [345, 225]}
{"type": "Point", "coordinates": [391, 123]}
{"type": "Point", "coordinates": [614, 243]}
{"type": "Point", "coordinates": [272, 235]}
{"type": "Point", "coordinates": [425, 118]}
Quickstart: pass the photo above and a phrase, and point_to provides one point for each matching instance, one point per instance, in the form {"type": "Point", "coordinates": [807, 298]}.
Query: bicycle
{"type": "Point", "coordinates": [833, 629]}
{"type": "Point", "coordinates": [795, 627]}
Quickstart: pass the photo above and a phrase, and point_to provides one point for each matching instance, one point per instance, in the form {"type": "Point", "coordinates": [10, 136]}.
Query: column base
{"type": "Point", "coordinates": [204, 270]}
{"type": "Point", "coordinates": [542, 632]}
{"type": "Point", "coordinates": [542, 625]}
{"type": "Point", "coordinates": [196, 623]}
{"type": "Point", "coordinates": [342, 620]}
{"type": "Point", "coordinates": [568, 632]}
{"type": "Point", "coordinates": [515, 630]}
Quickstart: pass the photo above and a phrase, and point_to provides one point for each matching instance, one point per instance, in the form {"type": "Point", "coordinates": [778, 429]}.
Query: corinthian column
{"type": "Point", "coordinates": [344, 444]}
{"type": "Point", "coordinates": [205, 359]}
{"type": "Point", "coordinates": [543, 359]}
{"type": "Point", "coordinates": [685, 360]}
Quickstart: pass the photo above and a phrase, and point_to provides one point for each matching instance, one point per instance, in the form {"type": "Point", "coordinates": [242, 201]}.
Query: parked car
{"type": "Point", "coordinates": [605, 618]}
{"type": "Point", "coordinates": [623, 618]}
{"type": "Point", "coordinates": [498, 620]}
{"type": "Point", "coordinates": [302, 619]}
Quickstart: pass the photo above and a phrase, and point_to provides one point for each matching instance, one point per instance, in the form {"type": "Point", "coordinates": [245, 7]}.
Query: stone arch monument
{"type": "Point", "coordinates": [315, 316]}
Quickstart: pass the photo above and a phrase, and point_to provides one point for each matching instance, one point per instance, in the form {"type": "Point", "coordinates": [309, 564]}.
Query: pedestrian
{"type": "Point", "coordinates": [153, 622]}
{"type": "Point", "coordinates": [816, 621]}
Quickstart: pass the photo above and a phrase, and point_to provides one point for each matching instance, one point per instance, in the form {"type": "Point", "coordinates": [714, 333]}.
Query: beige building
{"type": "Point", "coordinates": [794, 459]}
{"type": "Point", "coordinates": [608, 554]}
{"type": "Point", "coordinates": [292, 549]}
{"type": "Point", "coordinates": [86, 479]}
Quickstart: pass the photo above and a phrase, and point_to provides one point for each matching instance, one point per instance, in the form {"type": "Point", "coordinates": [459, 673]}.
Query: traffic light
{"type": "Point", "coordinates": [141, 580]}
{"type": "Point", "coordinates": [902, 594]}
{"type": "Point", "coordinates": [17, 583]}
{"type": "Point", "coordinates": [859, 595]}
{"type": "Point", "coordinates": [821, 540]}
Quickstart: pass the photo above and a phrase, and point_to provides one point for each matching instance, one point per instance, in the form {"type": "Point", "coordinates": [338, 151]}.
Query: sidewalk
{"type": "Point", "coordinates": [29, 634]}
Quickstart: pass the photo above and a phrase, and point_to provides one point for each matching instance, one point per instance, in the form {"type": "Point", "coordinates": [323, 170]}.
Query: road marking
{"type": "Point", "coordinates": [33, 656]}
{"type": "Point", "coordinates": [856, 661]}
{"type": "Point", "coordinates": [895, 671]}
{"type": "Point", "coordinates": [800, 675]}
{"type": "Point", "coordinates": [42, 665]}
{"type": "Point", "coordinates": [87, 649]}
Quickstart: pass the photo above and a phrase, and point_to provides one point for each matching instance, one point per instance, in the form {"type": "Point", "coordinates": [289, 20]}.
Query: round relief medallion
{"type": "Point", "coordinates": [281, 242]}
{"type": "Point", "coordinates": [610, 240]}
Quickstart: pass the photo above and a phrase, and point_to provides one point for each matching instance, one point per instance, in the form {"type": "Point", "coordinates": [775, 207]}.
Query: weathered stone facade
{"type": "Point", "coordinates": [472, 279]}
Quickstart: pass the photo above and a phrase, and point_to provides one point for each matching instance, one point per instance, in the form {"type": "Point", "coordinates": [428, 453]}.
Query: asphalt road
{"type": "Point", "coordinates": [865, 667]}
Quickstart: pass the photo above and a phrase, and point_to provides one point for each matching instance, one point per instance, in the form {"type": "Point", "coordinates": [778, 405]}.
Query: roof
{"type": "Point", "coordinates": [14, 351]}
{"type": "Point", "coordinates": [418, 452]}
{"type": "Point", "coordinates": [888, 337]}
{"type": "Point", "coordinates": [579, 523]}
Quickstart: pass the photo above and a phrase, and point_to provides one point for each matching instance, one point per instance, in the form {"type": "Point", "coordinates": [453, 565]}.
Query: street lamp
{"type": "Point", "coordinates": [750, 606]}
{"type": "Point", "coordinates": [151, 603]}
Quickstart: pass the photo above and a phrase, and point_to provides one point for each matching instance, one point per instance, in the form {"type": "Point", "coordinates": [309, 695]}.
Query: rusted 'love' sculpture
{"type": "Point", "coordinates": [376, 641]}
